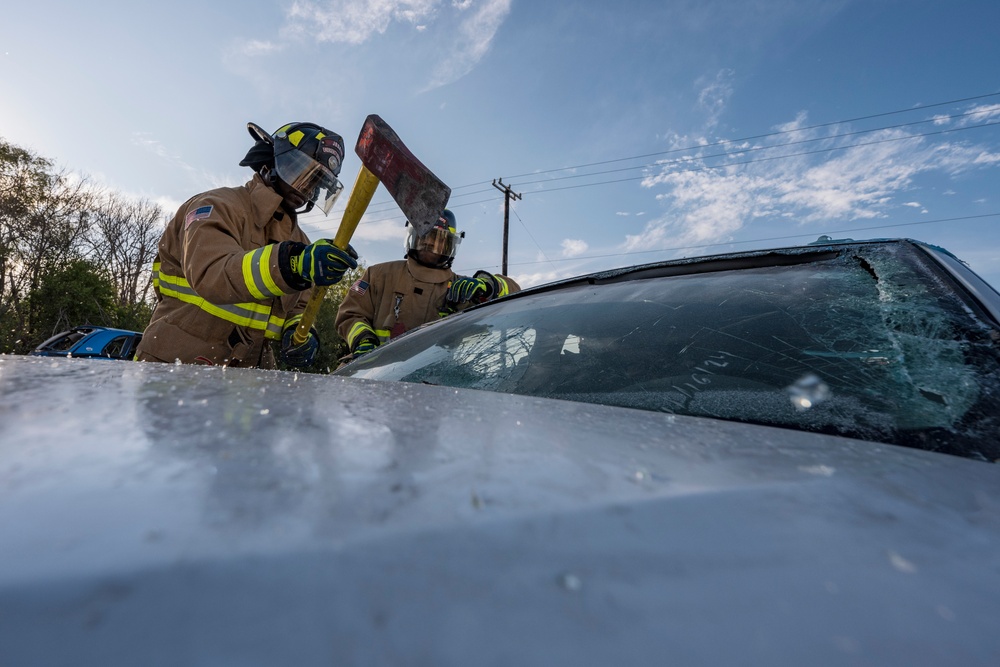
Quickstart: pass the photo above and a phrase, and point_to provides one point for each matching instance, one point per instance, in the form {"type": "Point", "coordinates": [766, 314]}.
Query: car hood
{"type": "Point", "coordinates": [162, 514]}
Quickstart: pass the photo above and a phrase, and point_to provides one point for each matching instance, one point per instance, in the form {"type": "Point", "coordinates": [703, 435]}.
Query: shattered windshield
{"type": "Point", "coordinates": [870, 343]}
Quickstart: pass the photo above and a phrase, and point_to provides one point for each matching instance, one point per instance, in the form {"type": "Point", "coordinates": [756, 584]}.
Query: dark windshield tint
{"type": "Point", "coordinates": [64, 341]}
{"type": "Point", "coordinates": [869, 343]}
{"type": "Point", "coordinates": [117, 347]}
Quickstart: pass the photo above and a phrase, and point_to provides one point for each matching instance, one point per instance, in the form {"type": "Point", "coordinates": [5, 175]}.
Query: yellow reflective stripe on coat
{"type": "Point", "coordinates": [257, 273]}
{"type": "Point", "coordinates": [361, 327]}
{"type": "Point", "coordinates": [504, 287]}
{"type": "Point", "coordinates": [252, 315]}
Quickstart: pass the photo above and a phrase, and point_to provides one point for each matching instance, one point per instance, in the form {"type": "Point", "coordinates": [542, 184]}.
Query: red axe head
{"type": "Point", "coordinates": [416, 190]}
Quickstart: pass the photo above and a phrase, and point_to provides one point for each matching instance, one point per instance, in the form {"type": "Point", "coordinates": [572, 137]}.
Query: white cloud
{"type": "Point", "coordinates": [353, 21]}
{"type": "Point", "coordinates": [799, 122]}
{"type": "Point", "coordinates": [257, 47]}
{"type": "Point", "coordinates": [574, 247]}
{"type": "Point", "coordinates": [472, 40]}
{"type": "Point", "coordinates": [145, 141]}
{"type": "Point", "coordinates": [983, 113]}
{"type": "Point", "coordinates": [377, 228]}
{"type": "Point", "coordinates": [209, 180]}
{"type": "Point", "coordinates": [714, 95]}
{"type": "Point", "coordinates": [526, 280]}
{"type": "Point", "coordinates": [986, 158]}
{"type": "Point", "coordinates": [470, 26]}
{"type": "Point", "coordinates": [710, 201]}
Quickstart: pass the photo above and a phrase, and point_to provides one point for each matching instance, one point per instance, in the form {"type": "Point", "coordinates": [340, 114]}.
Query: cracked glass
{"type": "Point", "coordinates": [871, 342]}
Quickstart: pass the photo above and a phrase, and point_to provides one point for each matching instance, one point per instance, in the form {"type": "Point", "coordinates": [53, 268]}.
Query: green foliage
{"type": "Point", "coordinates": [133, 316]}
{"type": "Point", "coordinates": [10, 333]}
{"type": "Point", "coordinates": [69, 253]}
{"type": "Point", "coordinates": [70, 295]}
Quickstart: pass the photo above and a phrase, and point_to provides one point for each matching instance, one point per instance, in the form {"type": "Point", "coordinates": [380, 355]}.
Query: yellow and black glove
{"type": "Point", "coordinates": [301, 354]}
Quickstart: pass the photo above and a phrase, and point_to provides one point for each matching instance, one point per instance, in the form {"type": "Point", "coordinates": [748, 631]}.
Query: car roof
{"type": "Point", "coordinates": [733, 260]}
{"type": "Point", "coordinates": [186, 513]}
{"type": "Point", "coordinates": [88, 330]}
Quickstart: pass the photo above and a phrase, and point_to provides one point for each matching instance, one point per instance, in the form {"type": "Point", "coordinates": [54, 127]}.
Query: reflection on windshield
{"type": "Point", "coordinates": [868, 344]}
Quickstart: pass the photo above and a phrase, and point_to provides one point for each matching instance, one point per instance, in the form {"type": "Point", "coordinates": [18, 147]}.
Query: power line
{"type": "Point", "coordinates": [759, 136]}
{"type": "Point", "coordinates": [767, 135]}
{"type": "Point", "coordinates": [704, 167]}
{"type": "Point", "coordinates": [377, 206]}
{"type": "Point", "coordinates": [698, 168]}
{"type": "Point", "coordinates": [530, 236]}
{"type": "Point", "coordinates": [660, 165]}
{"type": "Point", "coordinates": [508, 194]}
{"type": "Point", "coordinates": [389, 205]}
{"type": "Point", "coordinates": [772, 158]}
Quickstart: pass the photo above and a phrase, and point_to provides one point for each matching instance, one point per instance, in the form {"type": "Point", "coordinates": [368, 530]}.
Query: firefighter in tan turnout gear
{"type": "Point", "coordinates": [233, 269]}
{"type": "Point", "coordinates": [394, 297]}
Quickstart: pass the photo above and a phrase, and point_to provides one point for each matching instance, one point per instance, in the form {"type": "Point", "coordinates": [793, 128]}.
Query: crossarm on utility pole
{"type": "Point", "coordinates": [507, 195]}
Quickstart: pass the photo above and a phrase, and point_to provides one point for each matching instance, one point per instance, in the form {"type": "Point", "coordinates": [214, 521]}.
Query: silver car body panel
{"type": "Point", "coordinates": [164, 515]}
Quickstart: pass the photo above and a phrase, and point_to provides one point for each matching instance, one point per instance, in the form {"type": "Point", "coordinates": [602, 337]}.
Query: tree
{"type": "Point", "coordinates": [53, 223]}
{"type": "Point", "coordinates": [23, 179]}
{"type": "Point", "coordinates": [122, 238]}
{"type": "Point", "coordinates": [71, 255]}
{"type": "Point", "coordinates": [70, 295]}
{"type": "Point", "coordinates": [42, 218]}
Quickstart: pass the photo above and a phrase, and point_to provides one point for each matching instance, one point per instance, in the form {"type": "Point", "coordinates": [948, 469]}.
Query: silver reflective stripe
{"type": "Point", "coordinates": [361, 327]}
{"type": "Point", "coordinates": [252, 315]}
{"type": "Point", "coordinates": [257, 273]}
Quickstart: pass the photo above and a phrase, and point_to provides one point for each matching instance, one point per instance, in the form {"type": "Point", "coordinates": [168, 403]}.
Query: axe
{"type": "Point", "coordinates": [416, 190]}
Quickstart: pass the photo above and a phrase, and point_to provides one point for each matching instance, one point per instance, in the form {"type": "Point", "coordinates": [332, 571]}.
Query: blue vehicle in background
{"type": "Point", "coordinates": [91, 341]}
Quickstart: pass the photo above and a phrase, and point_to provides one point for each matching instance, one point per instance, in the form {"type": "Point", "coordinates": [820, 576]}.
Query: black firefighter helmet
{"type": "Point", "coordinates": [305, 156]}
{"type": "Point", "coordinates": [438, 245]}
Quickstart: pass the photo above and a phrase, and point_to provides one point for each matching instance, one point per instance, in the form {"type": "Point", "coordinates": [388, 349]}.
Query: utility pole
{"type": "Point", "coordinates": [507, 194]}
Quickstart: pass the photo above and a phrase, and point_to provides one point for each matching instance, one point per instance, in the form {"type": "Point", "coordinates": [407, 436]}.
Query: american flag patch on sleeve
{"type": "Point", "coordinates": [199, 213]}
{"type": "Point", "coordinates": [359, 286]}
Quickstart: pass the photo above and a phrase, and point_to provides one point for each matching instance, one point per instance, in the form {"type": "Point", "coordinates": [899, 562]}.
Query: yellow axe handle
{"type": "Point", "coordinates": [361, 196]}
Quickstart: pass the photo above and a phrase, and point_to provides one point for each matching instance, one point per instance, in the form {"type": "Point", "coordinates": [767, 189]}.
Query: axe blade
{"type": "Point", "coordinates": [416, 190]}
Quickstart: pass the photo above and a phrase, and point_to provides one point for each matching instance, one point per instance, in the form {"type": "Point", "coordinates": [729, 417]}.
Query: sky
{"type": "Point", "coordinates": [632, 131]}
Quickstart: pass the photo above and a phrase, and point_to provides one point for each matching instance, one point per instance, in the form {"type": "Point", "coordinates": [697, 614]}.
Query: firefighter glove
{"type": "Point", "coordinates": [301, 354]}
{"type": "Point", "coordinates": [322, 263]}
{"type": "Point", "coordinates": [364, 346]}
{"type": "Point", "coordinates": [463, 289]}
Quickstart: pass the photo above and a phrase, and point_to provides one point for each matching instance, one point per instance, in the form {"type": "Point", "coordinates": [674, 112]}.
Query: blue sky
{"type": "Point", "coordinates": [634, 131]}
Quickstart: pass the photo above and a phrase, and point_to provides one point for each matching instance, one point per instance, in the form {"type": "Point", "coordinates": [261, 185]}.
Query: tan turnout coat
{"type": "Point", "coordinates": [220, 293]}
{"type": "Point", "coordinates": [394, 297]}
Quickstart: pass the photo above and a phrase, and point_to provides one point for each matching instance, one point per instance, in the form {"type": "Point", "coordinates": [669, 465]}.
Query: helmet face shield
{"type": "Point", "coordinates": [316, 183]}
{"type": "Point", "coordinates": [439, 245]}
{"type": "Point", "coordinates": [440, 241]}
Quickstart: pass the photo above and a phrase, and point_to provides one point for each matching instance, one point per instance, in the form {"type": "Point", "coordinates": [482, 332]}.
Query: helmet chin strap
{"type": "Point", "coordinates": [271, 178]}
